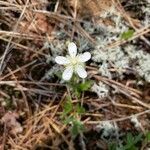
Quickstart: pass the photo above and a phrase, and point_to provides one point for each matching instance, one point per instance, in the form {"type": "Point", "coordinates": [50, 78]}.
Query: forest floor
{"type": "Point", "coordinates": [109, 109]}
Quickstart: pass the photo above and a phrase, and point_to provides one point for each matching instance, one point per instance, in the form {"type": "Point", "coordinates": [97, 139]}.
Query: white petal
{"type": "Point", "coordinates": [67, 74]}
{"type": "Point", "coordinates": [61, 60]}
{"type": "Point", "coordinates": [72, 48]}
{"type": "Point", "coordinates": [81, 71]}
{"type": "Point", "coordinates": [84, 57]}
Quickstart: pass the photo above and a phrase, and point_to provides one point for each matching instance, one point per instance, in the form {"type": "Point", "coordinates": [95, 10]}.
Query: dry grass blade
{"type": "Point", "coordinates": [21, 35]}
{"type": "Point", "coordinates": [11, 38]}
{"type": "Point", "coordinates": [19, 69]}
{"type": "Point", "coordinates": [119, 119]}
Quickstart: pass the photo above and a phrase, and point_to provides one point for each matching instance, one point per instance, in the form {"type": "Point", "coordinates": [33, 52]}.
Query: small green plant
{"type": "Point", "coordinates": [70, 116]}
{"type": "Point", "coordinates": [72, 112]}
{"type": "Point", "coordinates": [77, 127]}
{"type": "Point", "coordinates": [74, 67]}
{"type": "Point", "coordinates": [130, 142]}
{"type": "Point", "coordinates": [127, 35]}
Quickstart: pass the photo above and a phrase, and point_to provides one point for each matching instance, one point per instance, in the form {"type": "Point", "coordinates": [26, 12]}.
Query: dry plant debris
{"type": "Point", "coordinates": [39, 110]}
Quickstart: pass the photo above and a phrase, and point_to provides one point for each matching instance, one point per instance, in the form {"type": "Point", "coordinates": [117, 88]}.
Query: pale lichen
{"type": "Point", "coordinates": [101, 89]}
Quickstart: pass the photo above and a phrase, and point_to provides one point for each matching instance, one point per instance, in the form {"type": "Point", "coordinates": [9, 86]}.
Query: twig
{"type": "Point", "coordinates": [82, 143]}
{"type": "Point", "coordinates": [143, 31]}
{"type": "Point", "coordinates": [74, 16]}
{"type": "Point", "coordinates": [4, 137]}
{"type": "Point", "coordinates": [13, 83]}
{"type": "Point", "coordinates": [119, 119]}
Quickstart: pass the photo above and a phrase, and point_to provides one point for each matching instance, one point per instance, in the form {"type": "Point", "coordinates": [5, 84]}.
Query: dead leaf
{"type": "Point", "coordinates": [39, 25]}
{"type": "Point", "coordinates": [10, 119]}
{"type": "Point", "coordinates": [91, 7]}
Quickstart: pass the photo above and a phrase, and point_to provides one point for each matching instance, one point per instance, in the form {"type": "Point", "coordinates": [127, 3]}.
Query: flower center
{"type": "Point", "coordinates": [74, 61]}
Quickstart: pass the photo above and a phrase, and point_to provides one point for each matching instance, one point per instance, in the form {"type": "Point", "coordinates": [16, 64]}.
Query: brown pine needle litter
{"type": "Point", "coordinates": [32, 93]}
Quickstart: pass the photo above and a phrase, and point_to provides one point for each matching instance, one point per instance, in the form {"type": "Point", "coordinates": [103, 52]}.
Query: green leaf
{"type": "Point", "coordinates": [84, 86]}
{"type": "Point", "coordinates": [68, 120]}
{"type": "Point", "coordinates": [58, 74]}
{"type": "Point", "coordinates": [77, 128]}
{"type": "Point", "coordinates": [112, 146]}
{"type": "Point", "coordinates": [131, 141]}
{"type": "Point", "coordinates": [128, 34]}
{"type": "Point", "coordinates": [68, 107]}
{"type": "Point", "coordinates": [130, 138]}
{"type": "Point", "coordinates": [147, 137]}
{"type": "Point", "coordinates": [138, 138]}
{"type": "Point", "coordinates": [78, 88]}
{"type": "Point", "coordinates": [80, 109]}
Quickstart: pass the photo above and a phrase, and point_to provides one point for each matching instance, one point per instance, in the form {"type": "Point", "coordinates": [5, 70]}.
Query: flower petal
{"type": "Point", "coordinates": [84, 57]}
{"type": "Point", "coordinates": [81, 71]}
{"type": "Point", "coordinates": [72, 48]}
{"type": "Point", "coordinates": [61, 60]}
{"type": "Point", "coordinates": [67, 74]}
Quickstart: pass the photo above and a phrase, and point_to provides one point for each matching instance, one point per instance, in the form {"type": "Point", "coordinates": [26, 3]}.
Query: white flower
{"type": "Point", "coordinates": [73, 62]}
